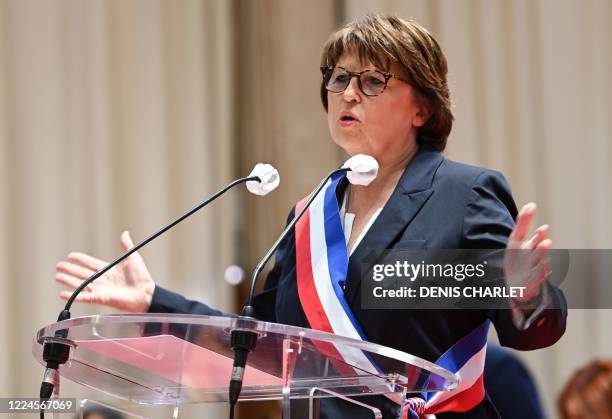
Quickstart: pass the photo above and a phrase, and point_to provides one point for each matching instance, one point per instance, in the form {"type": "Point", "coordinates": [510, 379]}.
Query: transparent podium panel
{"type": "Point", "coordinates": [173, 359]}
{"type": "Point", "coordinates": [93, 409]}
{"type": "Point", "coordinates": [317, 394]}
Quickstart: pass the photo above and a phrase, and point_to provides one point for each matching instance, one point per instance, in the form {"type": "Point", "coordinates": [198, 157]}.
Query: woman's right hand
{"type": "Point", "coordinates": [127, 287]}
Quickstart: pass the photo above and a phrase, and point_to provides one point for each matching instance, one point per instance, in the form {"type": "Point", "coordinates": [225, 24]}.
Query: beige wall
{"type": "Point", "coordinates": [115, 115]}
{"type": "Point", "coordinates": [120, 114]}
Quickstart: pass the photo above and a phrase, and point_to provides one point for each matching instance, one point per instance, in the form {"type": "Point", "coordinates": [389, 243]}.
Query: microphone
{"type": "Point", "coordinates": [262, 180]}
{"type": "Point", "coordinates": [364, 169]}
{"type": "Point", "coordinates": [268, 179]}
{"type": "Point", "coordinates": [361, 170]}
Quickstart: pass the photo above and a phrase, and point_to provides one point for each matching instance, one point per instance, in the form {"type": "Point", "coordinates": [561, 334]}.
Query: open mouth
{"type": "Point", "coordinates": [347, 117]}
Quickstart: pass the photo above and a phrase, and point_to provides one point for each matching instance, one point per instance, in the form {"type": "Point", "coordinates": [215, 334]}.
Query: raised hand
{"type": "Point", "coordinates": [127, 287]}
{"type": "Point", "coordinates": [526, 263]}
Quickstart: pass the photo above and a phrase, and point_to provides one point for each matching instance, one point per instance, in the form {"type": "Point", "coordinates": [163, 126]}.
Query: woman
{"type": "Point", "coordinates": [385, 91]}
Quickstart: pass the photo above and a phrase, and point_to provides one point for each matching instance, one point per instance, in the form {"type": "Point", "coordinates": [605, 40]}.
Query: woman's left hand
{"type": "Point", "coordinates": [526, 262]}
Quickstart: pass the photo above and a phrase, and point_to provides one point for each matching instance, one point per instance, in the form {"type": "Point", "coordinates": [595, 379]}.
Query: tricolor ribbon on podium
{"type": "Point", "coordinates": [322, 265]}
{"type": "Point", "coordinates": [465, 359]}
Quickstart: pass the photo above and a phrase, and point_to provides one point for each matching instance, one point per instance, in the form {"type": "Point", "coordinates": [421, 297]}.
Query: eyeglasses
{"type": "Point", "coordinates": [370, 82]}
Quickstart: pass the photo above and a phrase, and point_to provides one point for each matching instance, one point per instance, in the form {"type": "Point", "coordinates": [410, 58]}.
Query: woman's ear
{"type": "Point", "coordinates": [422, 115]}
{"type": "Point", "coordinates": [424, 110]}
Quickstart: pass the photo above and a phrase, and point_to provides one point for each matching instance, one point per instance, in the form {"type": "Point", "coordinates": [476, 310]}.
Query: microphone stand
{"type": "Point", "coordinates": [56, 352]}
{"type": "Point", "coordinates": [242, 339]}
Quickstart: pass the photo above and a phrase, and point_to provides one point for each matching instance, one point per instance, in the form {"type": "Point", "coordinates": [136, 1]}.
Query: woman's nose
{"type": "Point", "coordinates": [352, 93]}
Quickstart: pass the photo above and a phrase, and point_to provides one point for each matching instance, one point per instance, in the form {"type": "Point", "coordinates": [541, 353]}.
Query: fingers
{"type": "Point", "coordinates": [84, 297]}
{"type": "Point", "coordinates": [539, 236]}
{"type": "Point", "coordinates": [540, 243]}
{"type": "Point", "coordinates": [523, 223]}
{"type": "Point", "coordinates": [127, 244]}
{"type": "Point", "coordinates": [74, 270]}
{"type": "Point", "coordinates": [67, 280]}
{"type": "Point", "coordinates": [539, 274]}
{"type": "Point", "coordinates": [542, 273]}
{"type": "Point", "coordinates": [86, 261]}
{"type": "Point", "coordinates": [545, 244]}
{"type": "Point", "coordinates": [537, 255]}
{"type": "Point", "coordinates": [126, 241]}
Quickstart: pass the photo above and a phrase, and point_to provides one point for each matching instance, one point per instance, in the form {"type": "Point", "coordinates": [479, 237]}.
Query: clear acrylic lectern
{"type": "Point", "coordinates": [168, 359]}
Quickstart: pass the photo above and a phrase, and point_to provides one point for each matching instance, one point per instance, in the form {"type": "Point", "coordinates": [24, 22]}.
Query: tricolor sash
{"type": "Point", "coordinates": [322, 265]}
{"type": "Point", "coordinates": [466, 359]}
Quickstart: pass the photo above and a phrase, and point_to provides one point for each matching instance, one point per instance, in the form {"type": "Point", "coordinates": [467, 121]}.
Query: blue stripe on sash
{"type": "Point", "coordinates": [458, 354]}
{"type": "Point", "coordinates": [337, 254]}
{"type": "Point", "coordinates": [467, 347]}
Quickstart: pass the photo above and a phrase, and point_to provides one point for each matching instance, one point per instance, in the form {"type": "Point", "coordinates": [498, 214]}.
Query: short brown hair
{"type": "Point", "coordinates": [385, 39]}
{"type": "Point", "coordinates": [588, 394]}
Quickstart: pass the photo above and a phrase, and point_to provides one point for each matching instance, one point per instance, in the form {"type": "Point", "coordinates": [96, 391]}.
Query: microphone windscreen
{"type": "Point", "coordinates": [364, 169]}
{"type": "Point", "coordinates": [269, 176]}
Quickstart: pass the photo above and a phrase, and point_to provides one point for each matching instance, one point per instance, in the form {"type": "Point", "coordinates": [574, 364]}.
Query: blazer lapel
{"type": "Point", "coordinates": [410, 194]}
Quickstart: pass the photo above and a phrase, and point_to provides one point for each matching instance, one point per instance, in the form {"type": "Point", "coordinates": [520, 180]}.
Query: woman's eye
{"type": "Point", "coordinates": [341, 78]}
{"type": "Point", "coordinates": [375, 81]}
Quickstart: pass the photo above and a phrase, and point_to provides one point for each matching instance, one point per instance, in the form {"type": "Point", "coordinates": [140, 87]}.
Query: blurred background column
{"type": "Point", "coordinates": [280, 116]}
{"type": "Point", "coordinates": [280, 120]}
{"type": "Point", "coordinates": [114, 115]}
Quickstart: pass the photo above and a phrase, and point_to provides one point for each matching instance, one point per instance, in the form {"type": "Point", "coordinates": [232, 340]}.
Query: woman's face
{"type": "Point", "coordinates": [384, 126]}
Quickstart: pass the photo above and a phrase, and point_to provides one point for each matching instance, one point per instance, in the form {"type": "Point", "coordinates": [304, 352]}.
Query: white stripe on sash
{"type": "Point", "coordinates": [468, 374]}
{"type": "Point", "coordinates": [338, 318]}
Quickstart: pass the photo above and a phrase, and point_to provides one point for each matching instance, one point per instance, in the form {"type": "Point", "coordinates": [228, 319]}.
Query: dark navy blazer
{"type": "Point", "coordinates": [437, 203]}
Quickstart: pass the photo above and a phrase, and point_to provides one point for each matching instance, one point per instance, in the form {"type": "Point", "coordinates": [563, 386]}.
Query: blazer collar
{"type": "Point", "coordinates": [410, 194]}
{"type": "Point", "coordinates": [420, 172]}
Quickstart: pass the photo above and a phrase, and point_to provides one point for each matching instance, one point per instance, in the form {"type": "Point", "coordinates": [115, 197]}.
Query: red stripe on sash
{"type": "Point", "coordinates": [306, 286]}
{"type": "Point", "coordinates": [309, 298]}
{"type": "Point", "coordinates": [464, 401]}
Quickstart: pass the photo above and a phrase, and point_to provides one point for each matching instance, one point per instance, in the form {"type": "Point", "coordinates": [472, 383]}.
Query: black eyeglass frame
{"type": "Point", "coordinates": [328, 71]}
